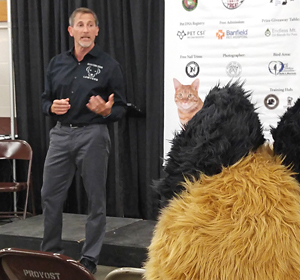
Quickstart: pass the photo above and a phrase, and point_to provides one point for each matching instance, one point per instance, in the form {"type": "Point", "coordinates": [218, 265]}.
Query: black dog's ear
{"type": "Point", "coordinates": [226, 129]}
{"type": "Point", "coordinates": [286, 138]}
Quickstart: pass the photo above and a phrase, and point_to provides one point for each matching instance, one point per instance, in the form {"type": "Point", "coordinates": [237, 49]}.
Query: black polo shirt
{"type": "Point", "coordinates": [97, 74]}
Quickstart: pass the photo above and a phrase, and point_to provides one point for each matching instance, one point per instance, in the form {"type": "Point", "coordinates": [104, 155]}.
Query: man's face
{"type": "Point", "coordinates": [84, 30]}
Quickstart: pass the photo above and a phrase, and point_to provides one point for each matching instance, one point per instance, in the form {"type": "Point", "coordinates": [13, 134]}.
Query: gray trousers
{"type": "Point", "coordinates": [85, 149]}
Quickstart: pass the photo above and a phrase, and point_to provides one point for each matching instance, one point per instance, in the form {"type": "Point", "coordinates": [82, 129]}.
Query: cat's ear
{"type": "Point", "coordinates": [177, 84]}
{"type": "Point", "coordinates": [195, 84]}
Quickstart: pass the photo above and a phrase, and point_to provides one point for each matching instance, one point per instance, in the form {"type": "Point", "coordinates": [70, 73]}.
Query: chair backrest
{"type": "Point", "coordinates": [126, 273]}
{"type": "Point", "coordinates": [21, 264]}
{"type": "Point", "coordinates": [18, 150]}
{"type": "Point", "coordinates": [15, 149]}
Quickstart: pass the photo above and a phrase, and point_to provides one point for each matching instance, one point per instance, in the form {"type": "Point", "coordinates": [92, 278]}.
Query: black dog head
{"type": "Point", "coordinates": [286, 138]}
{"type": "Point", "coordinates": [221, 133]}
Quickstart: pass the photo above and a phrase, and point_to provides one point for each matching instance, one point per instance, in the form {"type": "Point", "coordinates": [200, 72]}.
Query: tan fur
{"type": "Point", "coordinates": [242, 224]}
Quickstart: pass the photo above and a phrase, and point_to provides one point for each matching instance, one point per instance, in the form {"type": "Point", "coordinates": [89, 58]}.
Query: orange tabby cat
{"type": "Point", "coordinates": [187, 100]}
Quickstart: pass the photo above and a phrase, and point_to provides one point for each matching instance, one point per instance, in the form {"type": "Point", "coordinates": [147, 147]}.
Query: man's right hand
{"type": "Point", "coordinates": [60, 106]}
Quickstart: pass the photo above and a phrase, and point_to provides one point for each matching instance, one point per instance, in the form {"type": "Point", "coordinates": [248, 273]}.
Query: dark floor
{"type": "Point", "coordinates": [125, 243]}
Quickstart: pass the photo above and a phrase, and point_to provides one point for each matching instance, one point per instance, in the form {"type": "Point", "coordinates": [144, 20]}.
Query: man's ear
{"type": "Point", "coordinates": [70, 30]}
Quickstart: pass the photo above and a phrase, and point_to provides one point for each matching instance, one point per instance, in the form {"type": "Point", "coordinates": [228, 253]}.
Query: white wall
{"type": "Point", "coordinates": [4, 71]}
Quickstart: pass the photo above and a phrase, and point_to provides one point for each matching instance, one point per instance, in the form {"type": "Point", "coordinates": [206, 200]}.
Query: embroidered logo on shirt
{"type": "Point", "coordinates": [93, 70]}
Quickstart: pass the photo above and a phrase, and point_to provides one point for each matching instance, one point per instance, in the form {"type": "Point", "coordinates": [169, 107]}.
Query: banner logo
{"type": "Point", "coordinates": [279, 2]}
{"type": "Point", "coordinates": [220, 34]}
{"type": "Point", "coordinates": [181, 34]}
{"type": "Point", "coordinates": [281, 32]}
{"type": "Point", "coordinates": [237, 34]}
{"type": "Point", "coordinates": [271, 101]}
{"type": "Point", "coordinates": [192, 69]}
{"type": "Point", "coordinates": [232, 34]}
{"type": "Point", "coordinates": [232, 4]}
{"type": "Point", "coordinates": [191, 34]}
{"type": "Point", "coordinates": [276, 67]}
{"type": "Point", "coordinates": [289, 101]}
{"type": "Point", "coordinates": [268, 33]}
{"type": "Point", "coordinates": [234, 69]}
{"type": "Point", "coordinates": [189, 5]}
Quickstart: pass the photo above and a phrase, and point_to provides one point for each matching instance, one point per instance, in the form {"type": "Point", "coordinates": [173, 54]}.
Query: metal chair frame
{"type": "Point", "coordinates": [17, 150]}
{"type": "Point", "coordinates": [126, 273]}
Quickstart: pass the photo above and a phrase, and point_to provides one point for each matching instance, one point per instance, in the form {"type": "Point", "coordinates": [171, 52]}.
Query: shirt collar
{"type": "Point", "coordinates": [94, 51]}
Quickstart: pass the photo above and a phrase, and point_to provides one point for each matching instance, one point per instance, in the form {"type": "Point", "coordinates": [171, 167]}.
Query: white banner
{"type": "Point", "coordinates": [256, 41]}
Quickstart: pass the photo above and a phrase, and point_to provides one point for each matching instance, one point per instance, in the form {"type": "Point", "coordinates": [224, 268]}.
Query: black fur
{"type": "Point", "coordinates": [287, 138]}
{"type": "Point", "coordinates": [221, 133]}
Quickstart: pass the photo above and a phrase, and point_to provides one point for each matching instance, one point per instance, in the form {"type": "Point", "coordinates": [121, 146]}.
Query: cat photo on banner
{"type": "Point", "coordinates": [187, 100]}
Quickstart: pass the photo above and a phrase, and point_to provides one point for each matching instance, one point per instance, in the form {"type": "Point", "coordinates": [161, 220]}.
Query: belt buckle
{"type": "Point", "coordinates": [73, 126]}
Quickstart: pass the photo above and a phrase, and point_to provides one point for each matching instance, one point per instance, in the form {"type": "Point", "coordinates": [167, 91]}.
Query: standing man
{"type": "Point", "coordinates": [84, 91]}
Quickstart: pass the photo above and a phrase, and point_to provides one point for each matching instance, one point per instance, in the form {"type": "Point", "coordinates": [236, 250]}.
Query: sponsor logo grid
{"type": "Point", "coordinates": [237, 39]}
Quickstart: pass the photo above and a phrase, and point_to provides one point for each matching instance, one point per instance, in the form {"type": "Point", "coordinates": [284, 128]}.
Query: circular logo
{"type": "Point", "coordinates": [234, 69]}
{"type": "Point", "coordinates": [189, 5]}
{"type": "Point", "coordinates": [271, 101]}
{"type": "Point", "coordinates": [232, 4]}
{"type": "Point", "coordinates": [192, 69]}
{"type": "Point", "coordinates": [275, 67]}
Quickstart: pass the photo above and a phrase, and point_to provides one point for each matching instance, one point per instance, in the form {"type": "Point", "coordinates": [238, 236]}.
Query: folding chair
{"type": "Point", "coordinates": [15, 150]}
{"type": "Point", "coordinates": [126, 273]}
{"type": "Point", "coordinates": [21, 264]}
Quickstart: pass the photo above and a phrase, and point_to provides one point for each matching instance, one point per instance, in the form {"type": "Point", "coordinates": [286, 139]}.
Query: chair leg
{"type": "Point", "coordinates": [29, 189]}
{"type": "Point", "coordinates": [32, 198]}
{"type": "Point", "coordinates": [26, 204]}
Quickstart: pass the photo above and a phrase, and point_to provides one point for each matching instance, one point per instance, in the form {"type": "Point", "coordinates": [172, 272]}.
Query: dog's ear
{"type": "Point", "coordinates": [226, 129]}
{"type": "Point", "coordinates": [286, 138]}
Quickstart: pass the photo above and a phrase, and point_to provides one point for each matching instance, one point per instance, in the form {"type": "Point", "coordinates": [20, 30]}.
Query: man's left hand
{"type": "Point", "coordinates": [98, 105]}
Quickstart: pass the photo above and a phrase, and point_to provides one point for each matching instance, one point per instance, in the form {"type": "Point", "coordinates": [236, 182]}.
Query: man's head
{"type": "Point", "coordinates": [83, 27]}
{"type": "Point", "coordinates": [82, 10]}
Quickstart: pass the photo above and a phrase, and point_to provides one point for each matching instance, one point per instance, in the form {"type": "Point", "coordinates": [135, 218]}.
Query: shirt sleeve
{"type": "Point", "coordinates": [47, 97]}
{"type": "Point", "coordinates": [117, 87]}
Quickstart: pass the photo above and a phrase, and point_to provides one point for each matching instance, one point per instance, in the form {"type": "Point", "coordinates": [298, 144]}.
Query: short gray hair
{"type": "Point", "coordinates": [82, 10]}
